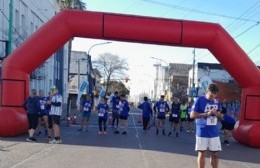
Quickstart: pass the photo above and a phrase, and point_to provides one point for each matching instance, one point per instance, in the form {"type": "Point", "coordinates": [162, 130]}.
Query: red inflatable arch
{"type": "Point", "coordinates": [67, 24]}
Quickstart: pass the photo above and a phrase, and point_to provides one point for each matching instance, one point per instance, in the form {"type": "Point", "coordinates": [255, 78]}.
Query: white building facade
{"type": "Point", "coordinates": [28, 17]}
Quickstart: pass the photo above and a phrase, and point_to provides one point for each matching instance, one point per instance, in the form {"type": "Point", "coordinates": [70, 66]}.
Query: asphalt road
{"type": "Point", "coordinates": [137, 149]}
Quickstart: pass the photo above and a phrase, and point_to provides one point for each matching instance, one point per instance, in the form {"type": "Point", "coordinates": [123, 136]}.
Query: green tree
{"type": "Point", "coordinates": [111, 67]}
{"type": "Point", "coordinates": [72, 4]}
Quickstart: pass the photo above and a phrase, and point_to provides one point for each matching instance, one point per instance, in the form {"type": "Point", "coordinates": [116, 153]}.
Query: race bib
{"type": "Point", "coordinates": [42, 106]}
{"type": "Point", "coordinates": [212, 120]}
{"type": "Point", "coordinates": [86, 109]}
{"type": "Point", "coordinates": [161, 110]}
{"type": "Point", "coordinates": [101, 114]}
{"type": "Point", "coordinates": [174, 115]}
{"type": "Point", "coordinates": [117, 106]}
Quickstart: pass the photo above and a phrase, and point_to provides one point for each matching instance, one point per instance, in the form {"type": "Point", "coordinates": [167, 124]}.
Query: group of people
{"type": "Point", "coordinates": [120, 112]}
{"type": "Point", "coordinates": [44, 109]}
{"type": "Point", "coordinates": [179, 113]}
{"type": "Point", "coordinates": [206, 111]}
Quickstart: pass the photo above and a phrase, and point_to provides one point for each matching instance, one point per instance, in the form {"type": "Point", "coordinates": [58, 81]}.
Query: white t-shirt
{"type": "Point", "coordinates": [56, 110]}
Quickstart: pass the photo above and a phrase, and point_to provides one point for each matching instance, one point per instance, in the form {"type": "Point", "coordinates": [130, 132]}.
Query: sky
{"type": "Point", "coordinates": [239, 17]}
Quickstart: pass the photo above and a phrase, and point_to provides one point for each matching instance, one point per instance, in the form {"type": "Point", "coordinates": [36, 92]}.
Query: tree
{"type": "Point", "coordinates": [111, 66]}
{"type": "Point", "coordinates": [72, 4]}
{"type": "Point", "coordinates": [118, 86]}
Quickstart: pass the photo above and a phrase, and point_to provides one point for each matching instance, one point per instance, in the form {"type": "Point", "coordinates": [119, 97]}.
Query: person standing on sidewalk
{"type": "Point", "coordinates": [44, 113]}
{"type": "Point", "coordinates": [32, 106]}
{"type": "Point", "coordinates": [161, 108]}
{"type": "Point", "coordinates": [183, 108]}
{"type": "Point", "coordinates": [115, 109]}
{"type": "Point", "coordinates": [102, 116]}
{"type": "Point", "coordinates": [206, 111]}
{"type": "Point", "coordinates": [56, 110]}
{"type": "Point", "coordinates": [147, 112]}
{"type": "Point", "coordinates": [123, 115]}
{"type": "Point", "coordinates": [87, 106]}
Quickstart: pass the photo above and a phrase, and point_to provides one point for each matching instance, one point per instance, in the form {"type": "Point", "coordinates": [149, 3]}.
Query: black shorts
{"type": "Point", "coordinates": [56, 119]}
{"type": "Point", "coordinates": [32, 121]}
{"type": "Point", "coordinates": [123, 117]}
{"type": "Point", "coordinates": [228, 126]}
{"type": "Point", "coordinates": [190, 120]}
{"type": "Point", "coordinates": [115, 114]}
{"type": "Point", "coordinates": [161, 117]}
{"type": "Point", "coordinates": [183, 119]}
{"type": "Point", "coordinates": [174, 119]}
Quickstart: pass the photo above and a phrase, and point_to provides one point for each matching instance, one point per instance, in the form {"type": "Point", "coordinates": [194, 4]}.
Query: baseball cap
{"type": "Point", "coordinates": [53, 87]}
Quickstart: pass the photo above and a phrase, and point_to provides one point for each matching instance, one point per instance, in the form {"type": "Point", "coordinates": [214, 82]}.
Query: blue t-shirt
{"type": "Point", "coordinates": [44, 108]}
{"type": "Point", "coordinates": [228, 119]}
{"type": "Point", "coordinates": [124, 108]}
{"type": "Point", "coordinates": [115, 102]}
{"type": "Point", "coordinates": [162, 108]}
{"type": "Point", "coordinates": [87, 105]}
{"type": "Point", "coordinates": [175, 111]}
{"type": "Point", "coordinates": [207, 126]}
{"type": "Point", "coordinates": [147, 110]}
{"type": "Point", "coordinates": [102, 110]}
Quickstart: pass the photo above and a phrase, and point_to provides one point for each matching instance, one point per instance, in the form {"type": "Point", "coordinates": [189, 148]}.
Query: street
{"type": "Point", "coordinates": [134, 150]}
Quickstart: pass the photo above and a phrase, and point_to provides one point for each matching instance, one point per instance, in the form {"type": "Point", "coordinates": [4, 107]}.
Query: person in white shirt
{"type": "Point", "coordinates": [56, 110]}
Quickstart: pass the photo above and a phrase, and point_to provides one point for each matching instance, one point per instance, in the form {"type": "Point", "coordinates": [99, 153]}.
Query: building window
{"type": "Point", "coordinates": [17, 19]}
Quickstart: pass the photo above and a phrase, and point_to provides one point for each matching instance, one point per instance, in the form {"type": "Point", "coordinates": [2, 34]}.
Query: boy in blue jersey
{"type": "Point", "coordinates": [115, 108]}
{"type": "Point", "coordinates": [174, 117]}
{"type": "Point", "coordinates": [147, 112]}
{"type": "Point", "coordinates": [87, 106]}
{"type": "Point", "coordinates": [123, 114]}
{"type": "Point", "coordinates": [102, 116]}
{"type": "Point", "coordinates": [206, 110]}
{"type": "Point", "coordinates": [228, 124]}
{"type": "Point", "coordinates": [161, 108]}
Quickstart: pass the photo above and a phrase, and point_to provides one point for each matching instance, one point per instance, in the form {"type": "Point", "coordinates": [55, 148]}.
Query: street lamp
{"type": "Point", "coordinates": [157, 73]}
{"type": "Point", "coordinates": [90, 64]}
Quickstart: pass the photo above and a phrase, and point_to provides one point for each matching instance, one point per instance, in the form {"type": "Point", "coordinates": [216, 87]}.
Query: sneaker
{"type": "Point", "coordinates": [157, 132]}
{"type": "Point", "coordinates": [163, 132]}
{"type": "Point", "coordinates": [49, 138]}
{"type": "Point", "coordinates": [104, 132]}
{"type": "Point", "coordinates": [226, 142]}
{"type": "Point", "coordinates": [100, 133]}
{"type": "Point", "coordinates": [169, 134]}
{"type": "Point", "coordinates": [116, 132]}
{"type": "Point", "coordinates": [124, 133]}
{"type": "Point", "coordinates": [188, 130]}
{"type": "Point", "coordinates": [177, 134]}
{"type": "Point", "coordinates": [31, 139]}
{"type": "Point", "coordinates": [54, 141]}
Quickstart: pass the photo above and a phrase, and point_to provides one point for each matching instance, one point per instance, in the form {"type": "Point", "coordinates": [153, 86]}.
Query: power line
{"type": "Point", "coordinates": [196, 10]}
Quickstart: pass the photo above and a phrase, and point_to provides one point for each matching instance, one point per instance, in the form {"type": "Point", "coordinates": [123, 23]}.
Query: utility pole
{"type": "Point", "coordinates": [10, 27]}
{"type": "Point", "coordinates": [193, 73]}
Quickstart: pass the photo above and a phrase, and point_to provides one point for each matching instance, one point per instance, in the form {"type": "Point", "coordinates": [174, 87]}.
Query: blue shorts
{"type": "Point", "coordinates": [86, 114]}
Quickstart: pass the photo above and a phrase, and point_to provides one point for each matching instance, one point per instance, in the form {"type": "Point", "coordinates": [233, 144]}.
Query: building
{"type": "Point", "coordinates": [27, 17]}
{"type": "Point", "coordinates": [179, 77]}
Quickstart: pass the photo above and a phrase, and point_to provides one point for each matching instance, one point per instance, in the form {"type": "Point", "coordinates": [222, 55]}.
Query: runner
{"type": "Point", "coordinates": [43, 117]}
{"type": "Point", "coordinates": [102, 116]}
{"type": "Point", "coordinates": [87, 106]}
{"type": "Point", "coordinates": [183, 108]}
{"type": "Point", "coordinates": [189, 122]}
{"type": "Point", "coordinates": [147, 112]}
{"type": "Point", "coordinates": [115, 109]}
{"type": "Point", "coordinates": [174, 117]}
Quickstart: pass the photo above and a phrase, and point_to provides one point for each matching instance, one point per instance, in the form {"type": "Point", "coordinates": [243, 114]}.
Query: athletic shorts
{"type": "Point", "coordinates": [56, 119]}
{"type": "Point", "coordinates": [161, 117]}
{"type": "Point", "coordinates": [174, 119]}
{"type": "Point", "coordinates": [32, 121]}
{"type": "Point", "coordinates": [183, 119]}
{"type": "Point", "coordinates": [115, 114]}
{"type": "Point", "coordinates": [86, 115]}
{"type": "Point", "coordinates": [203, 144]}
{"type": "Point", "coordinates": [123, 117]}
{"type": "Point", "coordinates": [228, 126]}
{"type": "Point", "coordinates": [190, 120]}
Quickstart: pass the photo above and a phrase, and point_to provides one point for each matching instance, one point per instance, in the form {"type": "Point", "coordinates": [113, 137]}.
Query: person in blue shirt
{"type": "Point", "coordinates": [44, 113]}
{"type": "Point", "coordinates": [123, 114]}
{"type": "Point", "coordinates": [174, 117]}
{"type": "Point", "coordinates": [115, 108]}
{"type": "Point", "coordinates": [161, 108]}
{"type": "Point", "coordinates": [228, 124]}
{"type": "Point", "coordinates": [206, 111]}
{"type": "Point", "coordinates": [102, 116]}
{"type": "Point", "coordinates": [87, 106]}
{"type": "Point", "coordinates": [147, 112]}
